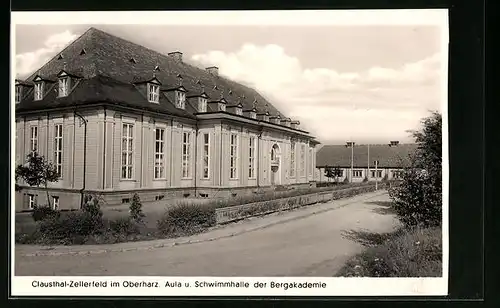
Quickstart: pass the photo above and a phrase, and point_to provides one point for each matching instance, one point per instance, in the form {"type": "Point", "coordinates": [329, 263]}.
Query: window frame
{"type": "Point", "coordinates": [34, 138]}
{"type": "Point", "coordinates": [355, 171]}
{"type": "Point", "coordinates": [233, 156]}
{"type": "Point", "coordinates": [58, 148]}
{"type": "Point", "coordinates": [205, 156]}
{"type": "Point", "coordinates": [186, 155]}
{"type": "Point", "coordinates": [38, 91]}
{"type": "Point", "coordinates": [128, 151]}
{"type": "Point", "coordinates": [293, 165]}
{"type": "Point", "coordinates": [31, 201]}
{"type": "Point", "coordinates": [251, 157]}
{"type": "Point", "coordinates": [55, 205]}
{"type": "Point", "coordinates": [159, 155]}
{"type": "Point", "coordinates": [63, 84]}
{"type": "Point", "coordinates": [153, 93]}
{"type": "Point", "coordinates": [202, 104]}
{"type": "Point", "coordinates": [18, 94]}
{"type": "Point", "coordinates": [180, 99]}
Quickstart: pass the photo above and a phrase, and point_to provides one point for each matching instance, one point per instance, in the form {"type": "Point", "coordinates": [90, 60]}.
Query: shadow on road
{"type": "Point", "coordinates": [384, 207]}
{"type": "Point", "coordinates": [366, 238]}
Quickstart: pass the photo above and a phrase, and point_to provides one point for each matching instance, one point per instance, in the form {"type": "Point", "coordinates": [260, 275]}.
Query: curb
{"type": "Point", "coordinates": [187, 242]}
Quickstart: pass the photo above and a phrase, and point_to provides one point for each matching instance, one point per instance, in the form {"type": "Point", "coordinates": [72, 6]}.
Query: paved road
{"type": "Point", "coordinates": [310, 246]}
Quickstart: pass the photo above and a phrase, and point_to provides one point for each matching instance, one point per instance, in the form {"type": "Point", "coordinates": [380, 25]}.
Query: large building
{"type": "Point", "coordinates": [357, 162]}
{"type": "Point", "coordinates": [117, 118]}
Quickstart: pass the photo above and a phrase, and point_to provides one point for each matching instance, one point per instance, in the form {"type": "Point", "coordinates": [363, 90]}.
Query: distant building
{"type": "Point", "coordinates": [156, 126]}
{"type": "Point", "coordinates": [391, 159]}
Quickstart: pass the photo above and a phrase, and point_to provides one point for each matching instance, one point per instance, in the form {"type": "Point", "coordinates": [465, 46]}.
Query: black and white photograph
{"type": "Point", "coordinates": [229, 153]}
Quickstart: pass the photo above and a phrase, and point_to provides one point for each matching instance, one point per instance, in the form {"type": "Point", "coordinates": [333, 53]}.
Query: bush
{"type": "Point", "coordinates": [124, 226]}
{"type": "Point", "coordinates": [136, 213]}
{"type": "Point", "coordinates": [44, 212]}
{"type": "Point", "coordinates": [185, 218]}
{"type": "Point", "coordinates": [365, 180]}
{"type": "Point", "coordinates": [417, 199]}
{"type": "Point", "coordinates": [71, 228]}
{"type": "Point", "coordinates": [346, 180]}
{"type": "Point", "coordinates": [413, 252]}
{"type": "Point", "coordinates": [92, 207]}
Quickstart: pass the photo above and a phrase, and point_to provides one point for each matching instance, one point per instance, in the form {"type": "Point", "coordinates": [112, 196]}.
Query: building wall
{"type": "Point", "coordinates": [104, 157]}
{"type": "Point", "coordinates": [365, 172]}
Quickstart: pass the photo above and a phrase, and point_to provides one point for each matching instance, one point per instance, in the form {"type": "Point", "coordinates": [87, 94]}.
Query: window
{"type": "Point", "coordinates": [251, 158]}
{"type": "Point", "coordinates": [206, 156]}
{"type": "Point", "coordinates": [377, 174]}
{"type": "Point", "coordinates": [302, 160]}
{"type": "Point", "coordinates": [63, 87]}
{"type": "Point", "coordinates": [202, 107]}
{"type": "Point", "coordinates": [127, 151]}
{"type": "Point", "coordinates": [18, 94]}
{"type": "Point", "coordinates": [180, 99]}
{"type": "Point", "coordinates": [396, 174]}
{"type": "Point", "coordinates": [159, 153]}
{"type": "Point", "coordinates": [292, 160]}
{"type": "Point", "coordinates": [153, 93]}
{"type": "Point", "coordinates": [55, 202]}
{"type": "Point", "coordinates": [357, 173]}
{"type": "Point", "coordinates": [233, 157]}
{"type": "Point", "coordinates": [31, 201]}
{"type": "Point", "coordinates": [38, 91]}
{"type": "Point", "coordinates": [58, 148]}
{"type": "Point", "coordinates": [222, 107]}
{"type": "Point", "coordinates": [34, 138]}
{"type": "Point", "coordinates": [239, 111]}
{"type": "Point", "coordinates": [311, 160]}
{"type": "Point", "coordinates": [253, 115]}
{"type": "Point", "coordinates": [186, 153]}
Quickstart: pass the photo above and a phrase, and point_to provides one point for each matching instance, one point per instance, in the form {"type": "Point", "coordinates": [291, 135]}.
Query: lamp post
{"type": "Point", "coordinates": [351, 144]}
{"type": "Point", "coordinates": [376, 174]}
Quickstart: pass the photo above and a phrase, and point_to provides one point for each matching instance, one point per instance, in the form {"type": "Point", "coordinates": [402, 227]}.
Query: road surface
{"type": "Point", "coordinates": [310, 246]}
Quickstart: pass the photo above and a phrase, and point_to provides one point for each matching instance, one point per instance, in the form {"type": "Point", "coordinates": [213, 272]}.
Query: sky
{"type": "Point", "coordinates": [365, 83]}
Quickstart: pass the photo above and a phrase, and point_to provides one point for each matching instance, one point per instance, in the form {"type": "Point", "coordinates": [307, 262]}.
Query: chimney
{"type": "Point", "coordinates": [176, 56]}
{"type": "Point", "coordinates": [294, 124]}
{"type": "Point", "coordinates": [214, 70]}
{"type": "Point", "coordinates": [393, 143]}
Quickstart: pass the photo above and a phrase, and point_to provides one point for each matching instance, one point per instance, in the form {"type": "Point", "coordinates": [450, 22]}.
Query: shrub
{"type": "Point", "coordinates": [385, 178]}
{"type": "Point", "coordinates": [417, 199]}
{"type": "Point", "coordinates": [413, 252]}
{"type": "Point", "coordinates": [124, 226]}
{"type": "Point", "coordinates": [136, 213]}
{"type": "Point", "coordinates": [92, 207]}
{"type": "Point", "coordinates": [44, 212]}
{"type": "Point", "coordinates": [71, 228]}
{"type": "Point", "coordinates": [186, 218]}
{"type": "Point", "coordinates": [365, 180]}
{"type": "Point", "coordinates": [346, 180]}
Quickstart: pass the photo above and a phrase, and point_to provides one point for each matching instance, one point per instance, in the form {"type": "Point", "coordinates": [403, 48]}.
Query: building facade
{"type": "Point", "coordinates": [357, 162]}
{"type": "Point", "coordinates": [117, 118]}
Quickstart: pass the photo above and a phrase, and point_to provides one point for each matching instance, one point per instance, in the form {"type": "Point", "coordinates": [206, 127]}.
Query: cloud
{"type": "Point", "coordinates": [28, 62]}
{"type": "Point", "coordinates": [380, 102]}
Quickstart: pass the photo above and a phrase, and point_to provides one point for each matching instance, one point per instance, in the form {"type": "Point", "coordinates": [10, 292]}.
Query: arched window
{"type": "Point", "coordinates": [272, 154]}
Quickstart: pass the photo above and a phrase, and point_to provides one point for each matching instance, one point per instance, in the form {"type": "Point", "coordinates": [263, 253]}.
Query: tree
{"type": "Point", "coordinates": [333, 172]}
{"type": "Point", "coordinates": [136, 209]}
{"type": "Point", "coordinates": [37, 171]}
{"type": "Point", "coordinates": [418, 199]}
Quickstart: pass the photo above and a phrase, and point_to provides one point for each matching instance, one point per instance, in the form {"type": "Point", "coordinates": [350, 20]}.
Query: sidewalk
{"type": "Point", "coordinates": [215, 233]}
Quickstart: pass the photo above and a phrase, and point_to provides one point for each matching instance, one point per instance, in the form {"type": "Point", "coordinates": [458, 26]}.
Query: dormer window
{"type": "Point", "coordinates": [222, 106]}
{"type": "Point", "coordinates": [239, 111]}
{"type": "Point", "coordinates": [202, 104]}
{"type": "Point", "coordinates": [180, 99]}
{"type": "Point", "coordinates": [63, 86]}
{"type": "Point", "coordinates": [19, 93]}
{"type": "Point", "coordinates": [38, 90]}
{"type": "Point", "coordinates": [153, 93]}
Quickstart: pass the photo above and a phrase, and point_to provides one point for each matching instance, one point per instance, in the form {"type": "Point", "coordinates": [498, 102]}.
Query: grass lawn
{"type": "Point", "coordinates": [403, 253]}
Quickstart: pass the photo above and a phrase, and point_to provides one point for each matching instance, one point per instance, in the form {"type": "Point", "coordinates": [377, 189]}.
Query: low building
{"type": "Point", "coordinates": [117, 118]}
{"type": "Point", "coordinates": [357, 162]}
